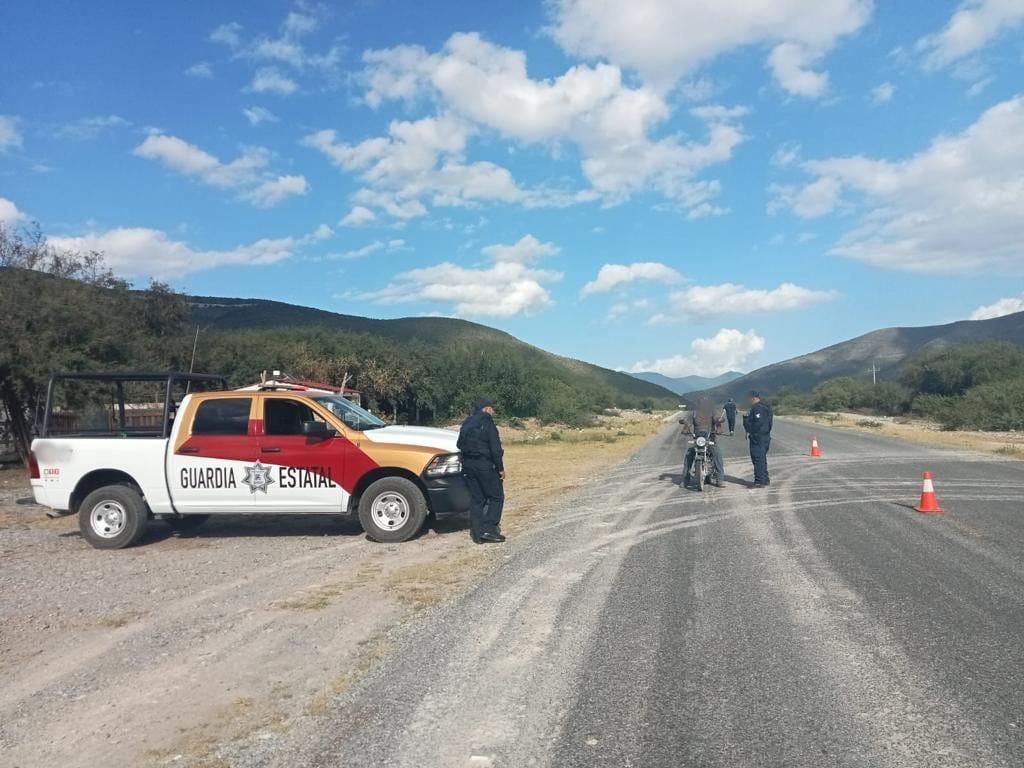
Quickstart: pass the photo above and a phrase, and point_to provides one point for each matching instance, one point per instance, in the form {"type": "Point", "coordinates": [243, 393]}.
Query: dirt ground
{"type": "Point", "coordinates": [1008, 444]}
{"type": "Point", "coordinates": [159, 654]}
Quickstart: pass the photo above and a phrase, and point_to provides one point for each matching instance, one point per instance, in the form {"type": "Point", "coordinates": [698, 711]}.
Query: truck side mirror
{"type": "Point", "coordinates": [318, 429]}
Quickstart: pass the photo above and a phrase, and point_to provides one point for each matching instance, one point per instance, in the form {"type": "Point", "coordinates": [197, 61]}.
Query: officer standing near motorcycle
{"type": "Point", "coordinates": [758, 426]}
{"type": "Point", "coordinates": [730, 415]}
{"type": "Point", "coordinates": [484, 470]}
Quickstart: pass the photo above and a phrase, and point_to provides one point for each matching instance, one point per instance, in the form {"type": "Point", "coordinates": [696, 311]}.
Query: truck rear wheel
{"type": "Point", "coordinates": [392, 509]}
{"type": "Point", "coordinates": [112, 517]}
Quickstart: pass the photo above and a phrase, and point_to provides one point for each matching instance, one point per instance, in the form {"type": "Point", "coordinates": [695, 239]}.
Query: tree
{"type": "Point", "coordinates": [64, 310]}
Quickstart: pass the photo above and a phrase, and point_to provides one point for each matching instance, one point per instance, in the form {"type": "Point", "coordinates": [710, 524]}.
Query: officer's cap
{"type": "Point", "coordinates": [482, 403]}
{"type": "Point", "coordinates": [755, 393]}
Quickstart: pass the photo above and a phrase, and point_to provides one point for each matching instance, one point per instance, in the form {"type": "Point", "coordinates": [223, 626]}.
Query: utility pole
{"type": "Point", "coordinates": [874, 374]}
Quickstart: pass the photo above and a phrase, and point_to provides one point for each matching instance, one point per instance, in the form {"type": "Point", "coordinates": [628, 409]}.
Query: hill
{"type": "Point", "coordinates": [684, 384]}
{"type": "Point", "coordinates": [260, 314]}
{"type": "Point", "coordinates": [888, 349]}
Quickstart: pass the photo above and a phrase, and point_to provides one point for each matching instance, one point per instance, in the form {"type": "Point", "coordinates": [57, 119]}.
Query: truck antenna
{"type": "Point", "coordinates": [195, 343]}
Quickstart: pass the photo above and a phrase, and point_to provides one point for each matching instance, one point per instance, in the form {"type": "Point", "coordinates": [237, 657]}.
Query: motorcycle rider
{"type": "Point", "coordinates": [704, 419]}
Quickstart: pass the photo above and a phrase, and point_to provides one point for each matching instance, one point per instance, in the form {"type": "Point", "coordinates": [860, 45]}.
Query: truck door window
{"type": "Point", "coordinates": [228, 416]}
{"type": "Point", "coordinates": [285, 417]}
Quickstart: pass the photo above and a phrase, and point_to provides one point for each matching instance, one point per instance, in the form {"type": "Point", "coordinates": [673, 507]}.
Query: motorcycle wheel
{"type": "Point", "coordinates": [699, 466]}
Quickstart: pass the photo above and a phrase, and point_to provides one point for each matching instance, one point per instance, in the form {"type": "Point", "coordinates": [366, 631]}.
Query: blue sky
{"type": "Point", "coordinates": [651, 184]}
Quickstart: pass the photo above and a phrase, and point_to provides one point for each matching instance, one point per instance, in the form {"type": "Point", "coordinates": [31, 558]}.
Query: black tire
{"type": "Point", "coordinates": [186, 522]}
{"type": "Point", "coordinates": [113, 517]}
{"type": "Point", "coordinates": [392, 509]}
{"type": "Point", "coordinates": [699, 466]}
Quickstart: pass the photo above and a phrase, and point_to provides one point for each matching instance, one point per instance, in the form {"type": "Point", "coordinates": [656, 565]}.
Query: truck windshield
{"type": "Point", "coordinates": [351, 414]}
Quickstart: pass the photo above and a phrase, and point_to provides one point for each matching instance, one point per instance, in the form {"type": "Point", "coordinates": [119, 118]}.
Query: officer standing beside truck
{"type": "Point", "coordinates": [484, 471]}
{"type": "Point", "coordinates": [758, 426]}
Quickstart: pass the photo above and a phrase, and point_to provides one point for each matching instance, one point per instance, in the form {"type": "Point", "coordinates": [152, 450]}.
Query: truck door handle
{"type": "Point", "coordinates": [270, 450]}
{"type": "Point", "coordinates": [189, 450]}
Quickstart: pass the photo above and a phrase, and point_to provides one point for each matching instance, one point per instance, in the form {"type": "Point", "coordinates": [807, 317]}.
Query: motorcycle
{"type": "Point", "coordinates": [702, 471]}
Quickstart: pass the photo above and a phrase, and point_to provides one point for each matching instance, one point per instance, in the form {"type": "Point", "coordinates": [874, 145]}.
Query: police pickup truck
{"type": "Point", "coordinates": [120, 449]}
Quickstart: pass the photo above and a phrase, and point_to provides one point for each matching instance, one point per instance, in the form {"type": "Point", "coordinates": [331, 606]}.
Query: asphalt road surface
{"type": "Point", "coordinates": [821, 622]}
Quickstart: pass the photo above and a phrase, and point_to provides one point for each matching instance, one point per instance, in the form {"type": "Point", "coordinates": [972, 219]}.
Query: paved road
{"type": "Point", "coordinates": [820, 622]}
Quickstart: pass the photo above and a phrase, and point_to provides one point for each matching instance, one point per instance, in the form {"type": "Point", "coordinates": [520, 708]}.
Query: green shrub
{"type": "Point", "coordinates": [997, 406]}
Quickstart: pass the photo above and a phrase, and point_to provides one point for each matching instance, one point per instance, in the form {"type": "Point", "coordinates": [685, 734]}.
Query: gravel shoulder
{"type": "Point", "coordinates": [169, 652]}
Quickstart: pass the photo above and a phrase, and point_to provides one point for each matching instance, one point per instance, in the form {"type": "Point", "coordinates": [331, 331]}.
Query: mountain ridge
{"type": "Point", "coordinates": [682, 385]}
{"type": "Point", "coordinates": [887, 348]}
{"type": "Point", "coordinates": [225, 313]}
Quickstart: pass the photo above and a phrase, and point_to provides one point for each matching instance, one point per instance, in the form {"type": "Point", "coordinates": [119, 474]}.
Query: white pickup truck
{"type": "Point", "coordinates": [193, 448]}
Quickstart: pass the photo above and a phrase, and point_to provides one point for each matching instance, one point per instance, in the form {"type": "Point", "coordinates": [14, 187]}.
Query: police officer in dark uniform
{"type": "Point", "coordinates": [730, 415]}
{"type": "Point", "coordinates": [484, 471]}
{"type": "Point", "coordinates": [758, 426]}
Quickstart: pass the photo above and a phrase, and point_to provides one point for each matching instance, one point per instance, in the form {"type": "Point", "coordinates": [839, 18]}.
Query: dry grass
{"type": "Point", "coordinates": [1009, 444]}
{"type": "Point", "coordinates": [316, 597]}
{"type": "Point", "coordinates": [425, 584]}
{"type": "Point", "coordinates": [371, 652]}
{"type": "Point", "coordinates": [118, 621]}
{"type": "Point", "coordinates": [198, 746]}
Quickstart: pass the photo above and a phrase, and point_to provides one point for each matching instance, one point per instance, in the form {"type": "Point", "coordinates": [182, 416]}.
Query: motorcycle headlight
{"type": "Point", "coordinates": [445, 464]}
{"type": "Point", "coordinates": [702, 441]}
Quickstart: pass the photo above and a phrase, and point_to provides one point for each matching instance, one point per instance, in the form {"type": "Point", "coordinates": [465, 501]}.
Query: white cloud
{"type": "Point", "coordinates": [377, 246]}
{"type": "Point", "coordinates": [786, 155]}
{"type": "Point", "coordinates": [953, 207]}
{"type": "Point", "coordinates": [139, 251]}
{"type": "Point", "coordinates": [811, 201]}
{"type": "Point", "coordinates": [505, 288]}
{"type": "Point", "coordinates": [883, 93]}
{"type": "Point", "coordinates": [612, 276]}
{"type": "Point", "coordinates": [321, 233]}
{"type": "Point", "coordinates": [247, 173]}
{"type": "Point", "coordinates": [528, 249]}
{"type": "Point", "coordinates": [792, 65]}
{"type": "Point", "coordinates": [622, 308]}
{"type": "Point", "coordinates": [227, 34]}
{"type": "Point", "coordinates": [974, 24]}
{"type": "Point", "coordinates": [91, 127]}
{"type": "Point", "coordinates": [10, 137]}
{"type": "Point", "coordinates": [9, 213]}
{"type": "Point", "coordinates": [999, 308]}
{"type": "Point", "coordinates": [979, 86]}
{"type": "Point", "coordinates": [727, 350]}
{"type": "Point", "coordinates": [611, 122]}
{"type": "Point", "coordinates": [201, 70]}
{"type": "Point", "coordinates": [417, 161]}
{"type": "Point", "coordinates": [358, 216]}
{"type": "Point", "coordinates": [257, 115]}
{"type": "Point", "coordinates": [271, 192]}
{"type": "Point", "coordinates": [271, 80]}
{"type": "Point", "coordinates": [288, 47]}
{"type": "Point", "coordinates": [665, 39]}
{"type": "Point", "coordinates": [732, 299]}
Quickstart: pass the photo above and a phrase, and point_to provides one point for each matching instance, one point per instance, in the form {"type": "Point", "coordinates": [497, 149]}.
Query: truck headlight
{"type": "Point", "coordinates": [445, 464]}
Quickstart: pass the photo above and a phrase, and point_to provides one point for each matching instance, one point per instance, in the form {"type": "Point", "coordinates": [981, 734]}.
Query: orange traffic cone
{"type": "Point", "coordinates": [928, 501]}
{"type": "Point", "coordinates": [815, 450]}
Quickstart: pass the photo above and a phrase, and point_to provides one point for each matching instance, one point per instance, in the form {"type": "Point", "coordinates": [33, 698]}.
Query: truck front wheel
{"type": "Point", "coordinates": [392, 509]}
{"type": "Point", "coordinates": [112, 517]}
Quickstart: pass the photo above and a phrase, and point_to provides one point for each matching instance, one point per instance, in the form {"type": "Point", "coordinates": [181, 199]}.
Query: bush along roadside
{"type": "Point", "coordinates": [970, 386]}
